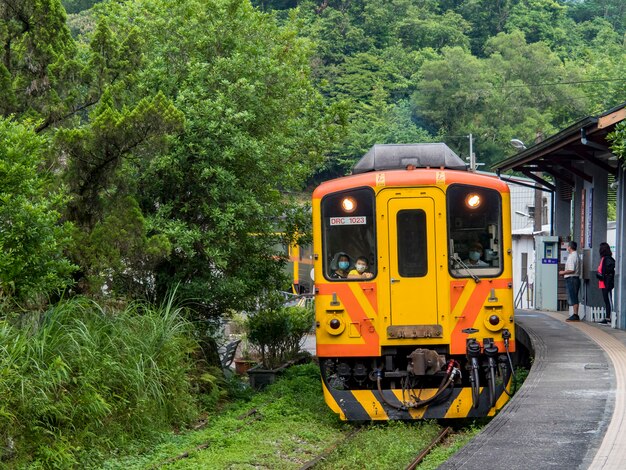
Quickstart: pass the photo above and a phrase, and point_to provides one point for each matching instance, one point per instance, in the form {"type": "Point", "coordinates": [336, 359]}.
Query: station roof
{"type": "Point", "coordinates": [560, 155]}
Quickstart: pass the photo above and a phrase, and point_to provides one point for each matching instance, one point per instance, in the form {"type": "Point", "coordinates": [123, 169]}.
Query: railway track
{"type": "Point", "coordinates": [418, 459]}
{"type": "Point", "coordinates": [440, 437]}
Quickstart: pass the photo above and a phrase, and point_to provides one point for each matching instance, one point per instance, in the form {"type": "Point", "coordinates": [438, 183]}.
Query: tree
{"type": "Point", "coordinates": [515, 92]}
{"type": "Point", "coordinates": [255, 128]}
{"type": "Point", "coordinates": [612, 11]}
{"type": "Point", "coordinates": [112, 244]}
{"type": "Point", "coordinates": [35, 39]}
{"type": "Point", "coordinates": [541, 20]}
{"type": "Point", "coordinates": [32, 239]}
{"type": "Point", "coordinates": [75, 6]}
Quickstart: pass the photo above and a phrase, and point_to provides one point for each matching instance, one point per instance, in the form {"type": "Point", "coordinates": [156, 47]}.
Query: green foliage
{"type": "Point", "coordinates": [618, 140]}
{"type": "Point", "coordinates": [612, 11]}
{"type": "Point", "coordinates": [34, 37]}
{"type": "Point", "coordinates": [79, 377]}
{"type": "Point", "coordinates": [32, 239]}
{"type": "Point", "coordinates": [282, 427]}
{"type": "Point", "coordinates": [396, 445]}
{"type": "Point", "coordinates": [286, 426]}
{"type": "Point", "coordinates": [112, 244]}
{"type": "Point", "coordinates": [541, 20]}
{"type": "Point", "coordinates": [75, 6]}
{"type": "Point", "coordinates": [255, 127]}
{"type": "Point", "coordinates": [277, 332]}
{"type": "Point", "coordinates": [450, 447]}
{"type": "Point", "coordinates": [496, 97]}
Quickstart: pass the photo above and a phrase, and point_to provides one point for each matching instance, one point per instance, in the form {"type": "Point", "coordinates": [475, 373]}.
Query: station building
{"type": "Point", "coordinates": [584, 174]}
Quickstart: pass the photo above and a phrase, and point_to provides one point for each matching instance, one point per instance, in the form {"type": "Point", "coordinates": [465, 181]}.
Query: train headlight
{"type": "Point", "coordinates": [348, 204]}
{"type": "Point", "coordinates": [494, 322]}
{"type": "Point", "coordinates": [473, 200]}
{"type": "Point", "coordinates": [335, 326]}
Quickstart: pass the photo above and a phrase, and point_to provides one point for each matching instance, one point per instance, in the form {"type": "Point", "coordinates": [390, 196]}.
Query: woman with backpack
{"type": "Point", "coordinates": [606, 278]}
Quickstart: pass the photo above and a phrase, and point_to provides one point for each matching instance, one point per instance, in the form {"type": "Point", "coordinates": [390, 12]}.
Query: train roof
{"type": "Point", "coordinates": [399, 156]}
{"type": "Point", "coordinates": [410, 177]}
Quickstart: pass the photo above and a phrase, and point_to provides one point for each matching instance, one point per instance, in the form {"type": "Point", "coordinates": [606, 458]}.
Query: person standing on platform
{"type": "Point", "coordinates": [606, 278]}
{"type": "Point", "coordinates": [571, 273]}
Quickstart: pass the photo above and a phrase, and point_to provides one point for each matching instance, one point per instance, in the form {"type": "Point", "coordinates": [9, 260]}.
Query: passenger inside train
{"type": "Point", "coordinates": [360, 269]}
{"type": "Point", "coordinates": [475, 228]}
{"type": "Point", "coordinates": [340, 266]}
{"type": "Point", "coordinates": [474, 256]}
{"type": "Point", "coordinates": [349, 230]}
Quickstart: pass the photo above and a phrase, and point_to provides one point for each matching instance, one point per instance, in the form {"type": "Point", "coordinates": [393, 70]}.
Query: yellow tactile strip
{"type": "Point", "coordinates": [612, 452]}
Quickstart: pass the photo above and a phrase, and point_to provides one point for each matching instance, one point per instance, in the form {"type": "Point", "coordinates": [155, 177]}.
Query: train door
{"type": "Point", "coordinates": [412, 266]}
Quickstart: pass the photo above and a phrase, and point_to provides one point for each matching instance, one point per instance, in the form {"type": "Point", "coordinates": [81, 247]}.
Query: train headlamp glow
{"type": "Point", "coordinates": [348, 204]}
{"type": "Point", "coordinates": [473, 200]}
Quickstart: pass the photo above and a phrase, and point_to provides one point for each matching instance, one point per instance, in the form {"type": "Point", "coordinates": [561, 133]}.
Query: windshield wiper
{"type": "Point", "coordinates": [457, 259]}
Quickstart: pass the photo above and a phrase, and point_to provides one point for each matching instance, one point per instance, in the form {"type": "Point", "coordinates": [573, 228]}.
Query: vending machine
{"type": "Point", "coordinates": [546, 272]}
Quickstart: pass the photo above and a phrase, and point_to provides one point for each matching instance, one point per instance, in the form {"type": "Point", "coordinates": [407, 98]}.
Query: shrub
{"type": "Point", "coordinates": [79, 377]}
{"type": "Point", "coordinates": [32, 239]}
{"type": "Point", "coordinates": [277, 332]}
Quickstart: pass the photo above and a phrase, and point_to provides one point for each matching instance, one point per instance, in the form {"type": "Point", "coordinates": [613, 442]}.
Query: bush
{"type": "Point", "coordinates": [78, 377]}
{"type": "Point", "coordinates": [277, 333]}
{"type": "Point", "coordinates": [32, 239]}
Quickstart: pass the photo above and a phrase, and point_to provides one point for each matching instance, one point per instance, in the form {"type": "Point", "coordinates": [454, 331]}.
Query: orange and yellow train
{"type": "Point", "coordinates": [427, 330]}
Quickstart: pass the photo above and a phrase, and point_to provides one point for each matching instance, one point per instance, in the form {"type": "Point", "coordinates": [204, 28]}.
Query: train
{"type": "Point", "coordinates": [414, 313]}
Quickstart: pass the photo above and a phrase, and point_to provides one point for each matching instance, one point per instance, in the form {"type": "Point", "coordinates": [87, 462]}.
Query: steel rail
{"type": "Point", "coordinates": [427, 450]}
{"type": "Point", "coordinates": [329, 450]}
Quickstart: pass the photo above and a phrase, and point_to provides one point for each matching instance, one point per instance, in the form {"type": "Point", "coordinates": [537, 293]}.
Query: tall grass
{"type": "Point", "coordinates": [78, 379]}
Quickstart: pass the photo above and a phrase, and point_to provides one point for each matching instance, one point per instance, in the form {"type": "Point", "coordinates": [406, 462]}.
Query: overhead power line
{"type": "Point", "coordinates": [576, 82]}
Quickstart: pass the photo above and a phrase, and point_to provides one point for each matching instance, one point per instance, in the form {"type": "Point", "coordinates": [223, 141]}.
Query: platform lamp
{"type": "Point", "coordinates": [518, 144]}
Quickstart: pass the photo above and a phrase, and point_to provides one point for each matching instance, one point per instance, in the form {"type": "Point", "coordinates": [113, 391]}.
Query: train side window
{"type": "Point", "coordinates": [412, 248]}
{"type": "Point", "coordinates": [348, 229]}
{"type": "Point", "coordinates": [475, 230]}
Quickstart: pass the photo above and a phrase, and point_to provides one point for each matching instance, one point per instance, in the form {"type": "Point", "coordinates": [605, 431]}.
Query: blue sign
{"type": "Point", "coordinates": [549, 261]}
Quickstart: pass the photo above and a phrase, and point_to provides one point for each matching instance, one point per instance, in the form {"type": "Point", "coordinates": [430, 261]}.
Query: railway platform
{"type": "Point", "coordinates": [570, 412]}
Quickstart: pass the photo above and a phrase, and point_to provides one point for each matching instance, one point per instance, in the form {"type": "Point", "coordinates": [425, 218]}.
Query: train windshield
{"type": "Point", "coordinates": [349, 237]}
{"type": "Point", "coordinates": [475, 231]}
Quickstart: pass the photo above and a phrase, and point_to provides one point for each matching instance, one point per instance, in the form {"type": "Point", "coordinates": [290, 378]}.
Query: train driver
{"type": "Point", "coordinates": [360, 269]}
{"type": "Point", "coordinates": [340, 266]}
{"type": "Point", "coordinates": [475, 253]}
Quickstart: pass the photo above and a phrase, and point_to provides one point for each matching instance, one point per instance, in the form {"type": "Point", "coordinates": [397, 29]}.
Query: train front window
{"type": "Point", "coordinates": [475, 231]}
{"type": "Point", "coordinates": [349, 238]}
{"type": "Point", "coordinates": [412, 249]}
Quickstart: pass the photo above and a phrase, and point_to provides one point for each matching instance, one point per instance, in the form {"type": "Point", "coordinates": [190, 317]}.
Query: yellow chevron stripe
{"type": "Point", "coordinates": [462, 405]}
{"type": "Point", "coordinates": [370, 404]}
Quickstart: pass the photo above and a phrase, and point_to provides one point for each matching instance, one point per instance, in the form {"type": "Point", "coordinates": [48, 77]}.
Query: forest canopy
{"type": "Point", "coordinates": [172, 141]}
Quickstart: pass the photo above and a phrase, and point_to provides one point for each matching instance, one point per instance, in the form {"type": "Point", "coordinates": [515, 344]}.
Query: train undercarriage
{"type": "Point", "coordinates": [408, 382]}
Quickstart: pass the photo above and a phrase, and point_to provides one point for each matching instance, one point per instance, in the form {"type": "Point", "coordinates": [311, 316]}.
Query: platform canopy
{"type": "Point", "coordinates": [584, 141]}
{"type": "Point", "coordinates": [399, 156]}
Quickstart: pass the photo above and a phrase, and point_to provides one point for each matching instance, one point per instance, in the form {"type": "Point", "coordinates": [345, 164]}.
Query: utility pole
{"type": "Point", "coordinates": [471, 153]}
{"type": "Point", "coordinates": [538, 222]}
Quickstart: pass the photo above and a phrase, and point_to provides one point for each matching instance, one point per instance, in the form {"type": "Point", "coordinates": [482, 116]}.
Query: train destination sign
{"type": "Point", "coordinates": [359, 220]}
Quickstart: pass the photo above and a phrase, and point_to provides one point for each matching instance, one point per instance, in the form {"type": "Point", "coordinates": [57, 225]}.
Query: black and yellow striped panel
{"type": "Point", "coordinates": [367, 405]}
